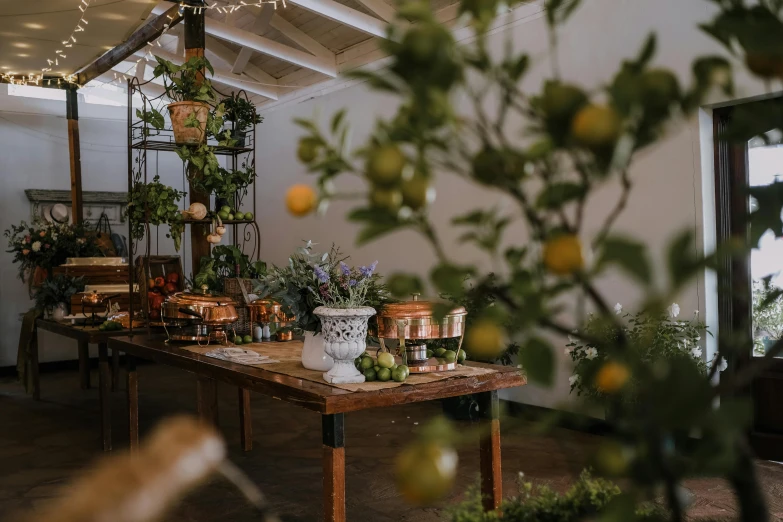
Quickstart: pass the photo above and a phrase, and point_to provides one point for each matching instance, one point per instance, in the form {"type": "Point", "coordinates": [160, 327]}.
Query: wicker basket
{"type": "Point", "coordinates": [232, 287]}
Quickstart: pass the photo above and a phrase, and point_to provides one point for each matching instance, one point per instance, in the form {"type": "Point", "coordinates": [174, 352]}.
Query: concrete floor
{"type": "Point", "coordinates": [44, 443]}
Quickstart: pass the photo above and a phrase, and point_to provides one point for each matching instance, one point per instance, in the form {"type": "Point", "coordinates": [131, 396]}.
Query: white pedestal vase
{"type": "Point", "coordinates": [59, 312]}
{"type": "Point", "coordinates": [345, 338]}
{"type": "Point", "coordinates": [314, 356]}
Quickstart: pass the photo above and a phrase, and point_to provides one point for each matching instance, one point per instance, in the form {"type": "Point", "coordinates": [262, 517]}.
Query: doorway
{"type": "Point", "coordinates": [744, 283]}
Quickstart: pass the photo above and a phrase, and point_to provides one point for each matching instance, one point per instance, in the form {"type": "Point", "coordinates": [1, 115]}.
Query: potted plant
{"type": "Point", "coordinates": [53, 297]}
{"type": "Point", "coordinates": [227, 185]}
{"type": "Point", "coordinates": [242, 115]}
{"type": "Point", "coordinates": [156, 204]}
{"type": "Point", "coordinates": [192, 93]}
{"type": "Point", "coordinates": [767, 315]}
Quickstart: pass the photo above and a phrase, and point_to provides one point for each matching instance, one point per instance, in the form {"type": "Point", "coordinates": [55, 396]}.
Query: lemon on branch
{"type": "Point", "coordinates": [596, 126]}
{"type": "Point", "coordinates": [612, 377]}
{"type": "Point", "coordinates": [307, 150]}
{"type": "Point", "coordinates": [385, 165]}
{"type": "Point", "coordinates": [425, 471]}
{"type": "Point", "coordinates": [386, 199]}
{"type": "Point", "coordinates": [300, 200]}
{"type": "Point", "coordinates": [563, 255]}
{"type": "Point", "coordinates": [417, 192]}
{"type": "Point", "coordinates": [484, 340]}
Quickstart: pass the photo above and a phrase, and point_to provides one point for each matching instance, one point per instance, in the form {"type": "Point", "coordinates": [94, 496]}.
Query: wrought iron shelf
{"type": "Point", "coordinates": [225, 221]}
{"type": "Point", "coordinates": [170, 146]}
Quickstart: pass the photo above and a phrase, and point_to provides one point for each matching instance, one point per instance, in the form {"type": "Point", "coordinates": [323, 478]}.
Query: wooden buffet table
{"type": "Point", "coordinates": [329, 401]}
{"type": "Point", "coordinates": [84, 335]}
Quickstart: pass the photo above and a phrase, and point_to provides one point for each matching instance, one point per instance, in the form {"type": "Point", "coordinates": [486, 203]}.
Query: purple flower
{"type": "Point", "coordinates": [367, 271]}
{"type": "Point", "coordinates": [352, 282]}
{"type": "Point", "coordinates": [344, 268]}
{"type": "Point", "coordinates": [321, 274]}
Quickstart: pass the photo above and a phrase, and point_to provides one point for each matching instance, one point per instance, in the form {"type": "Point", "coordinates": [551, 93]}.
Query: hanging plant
{"type": "Point", "coordinates": [156, 204]}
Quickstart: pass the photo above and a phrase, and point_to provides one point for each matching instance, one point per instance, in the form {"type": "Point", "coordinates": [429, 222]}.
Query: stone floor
{"type": "Point", "coordinates": [44, 443]}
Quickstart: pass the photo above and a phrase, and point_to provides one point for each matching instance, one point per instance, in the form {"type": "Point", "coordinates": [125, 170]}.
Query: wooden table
{"type": "Point", "coordinates": [84, 335]}
{"type": "Point", "coordinates": [330, 402]}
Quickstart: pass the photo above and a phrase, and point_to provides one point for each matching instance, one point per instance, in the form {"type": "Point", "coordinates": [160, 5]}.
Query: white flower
{"type": "Point", "coordinates": [618, 309]}
{"type": "Point", "coordinates": [36, 246]}
{"type": "Point", "coordinates": [684, 344]}
{"type": "Point", "coordinates": [722, 365]}
{"type": "Point", "coordinates": [591, 353]}
{"type": "Point", "coordinates": [574, 379]}
{"type": "Point", "coordinates": [696, 352]}
{"type": "Point", "coordinates": [54, 236]}
{"type": "Point", "coordinates": [674, 310]}
{"type": "Point", "coordinates": [569, 349]}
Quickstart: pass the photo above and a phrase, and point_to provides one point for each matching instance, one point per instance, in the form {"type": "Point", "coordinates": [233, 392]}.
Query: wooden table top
{"type": "Point", "coordinates": [87, 333]}
{"type": "Point", "coordinates": [322, 398]}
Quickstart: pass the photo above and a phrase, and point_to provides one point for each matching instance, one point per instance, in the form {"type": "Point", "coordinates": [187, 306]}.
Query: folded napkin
{"type": "Point", "coordinates": [240, 356]}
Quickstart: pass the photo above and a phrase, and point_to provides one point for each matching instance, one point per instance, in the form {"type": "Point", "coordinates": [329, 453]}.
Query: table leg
{"type": "Point", "coordinates": [491, 477]}
{"type": "Point", "coordinates": [206, 395]}
{"type": "Point", "coordinates": [245, 420]}
{"type": "Point", "coordinates": [84, 365]}
{"type": "Point", "coordinates": [333, 429]}
{"type": "Point", "coordinates": [105, 395]}
{"type": "Point", "coordinates": [32, 367]}
{"type": "Point", "coordinates": [133, 402]}
{"type": "Point", "coordinates": [115, 369]}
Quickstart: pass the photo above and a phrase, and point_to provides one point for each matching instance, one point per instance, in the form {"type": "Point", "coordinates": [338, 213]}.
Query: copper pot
{"type": "Point", "coordinates": [269, 311]}
{"type": "Point", "coordinates": [201, 307]}
{"type": "Point", "coordinates": [94, 298]}
{"type": "Point", "coordinates": [414, 320]}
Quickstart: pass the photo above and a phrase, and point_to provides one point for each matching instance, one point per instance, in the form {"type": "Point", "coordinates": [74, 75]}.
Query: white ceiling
{"type": "Point", "coordinates": [31, 31]}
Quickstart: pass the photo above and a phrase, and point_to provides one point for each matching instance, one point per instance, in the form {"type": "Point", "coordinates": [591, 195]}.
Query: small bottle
{"type": "Point", "coordinates": [258, 333]}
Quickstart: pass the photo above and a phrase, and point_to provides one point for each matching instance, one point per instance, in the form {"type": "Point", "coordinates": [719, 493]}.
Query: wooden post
{"type": "Point", "coordinates": [105, 396]}
{"type": "Point", "coordinates": [489, 452]}
{"type": "Point", "coordinates": [133, 402]}
{"type": "Point", "coordinates": [72, 113]}
{"type": "Point", "coordinates": [333, 432]}
{"type": "Point", "coordinates": [195, 39]}
{"type": "Point", "coordinates": [245, 420]}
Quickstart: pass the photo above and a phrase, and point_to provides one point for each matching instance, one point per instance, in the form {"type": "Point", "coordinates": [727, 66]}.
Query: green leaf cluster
{"type": "Point", "coordinates": [155, 204]}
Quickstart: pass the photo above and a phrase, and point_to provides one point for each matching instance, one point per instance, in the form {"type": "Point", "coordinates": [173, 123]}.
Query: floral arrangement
{"type": "Point", "coordinates": [46, 245]}
{"type": "Point", "coordinates": [348, 289]}
{"type": "Point", "coordinates": [652, 338]}
{"type": "Point", "coordinates": [56, 290]}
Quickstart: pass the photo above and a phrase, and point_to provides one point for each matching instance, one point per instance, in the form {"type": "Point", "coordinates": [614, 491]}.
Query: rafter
{"type": "Point", "coordinates": [345, 15]}
{"type": "Point", "coordinates": [380, 8]}
{"type": "Point", "coordinates": [300, 38]}
{"type": "Point", "coordinates": [261, 22]}
{"type": "Point", "coordinates": [227, 56]}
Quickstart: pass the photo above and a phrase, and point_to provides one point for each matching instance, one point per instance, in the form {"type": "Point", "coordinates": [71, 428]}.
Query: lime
{"type": "Point", "coordinates": [384, 374]}
{"type": "Point", "coordinates": [370, 375]}
{"type": "Point", "coordinates": [247, 339]}
{"type": "Point", "coordinates": [307, 150]}
{"type": "Point", "coordinates": [223, 215]}
{"type": "Point", "coordinates": [429, 353]}
{"type": "Point", "coordinates": [394, 366]}
{"type": "Point", "coordinates": [240, 216]}
{"type": "Point", "coordinates": [386, 199]}
{"type": "Point", "coordinates": [439, 352]}
{"type": "Point", "coordinates": [461, 356]}
{"type": "Point", "coordinates": [376, 368]}
{"type": "Point", "coordinates": [366, 363]}
{"type": "Point", "coordinates": [385, 164]}
{"type": "Point", "coordinates": [249, 216]}
{"type": "Point", "coordinates": [385, 360]}
{"type": "Point", "coordinates": [231, 217]}
{"type": "Point", "coordinates": [425, 471]}
{"type": "Point", "coordinates": [237, 340]}
{"type": "Point", "coordinates": [417, 193]}
{"type": "Point", "coordinates": [102, 327]}
{"type": "Point", "coordinates": [450, 356]}
{"type": "Point", "coordinates": [226, 209]}
{"type": "Point", "coordinates": [400, 373]}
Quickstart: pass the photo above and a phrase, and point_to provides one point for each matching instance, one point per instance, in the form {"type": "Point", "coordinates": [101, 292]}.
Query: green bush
{"type": "Point", "coordinates": [585, 499]}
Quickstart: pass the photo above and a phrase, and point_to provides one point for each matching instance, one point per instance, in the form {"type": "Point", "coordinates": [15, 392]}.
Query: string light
{"type": "Point", "coordinates": [228, 9]}
{"type": "Point", "coordinates": [38, 78]}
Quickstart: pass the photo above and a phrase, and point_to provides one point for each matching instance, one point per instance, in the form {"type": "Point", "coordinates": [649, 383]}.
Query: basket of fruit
{"type": "Point", "coordinates": [163, 276]}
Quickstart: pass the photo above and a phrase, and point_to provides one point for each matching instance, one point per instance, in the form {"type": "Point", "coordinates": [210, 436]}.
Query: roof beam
{"type": "Point", "coordinates": [381, 8]}
{"type": "Point", "coordinates": [226, 77]}
{"type": "Point", "coordinates": [139, 39]}
{"type": "Point", "coordinates": [270, 47]}
{"type": "Point", "coordinates": [345, 15]}
{"type": "Point", "coordinates": [300, 38]}
{"type": "Point", "coordinates": [260, 23]}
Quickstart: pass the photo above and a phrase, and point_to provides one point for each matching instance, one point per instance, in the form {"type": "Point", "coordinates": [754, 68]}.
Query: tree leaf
{"type": "Point", "coordinates": [538, 361]}
{"type": "Point", "coordinates": [558, 194]}
{"type": "Point", "coordinates": [629, 254]}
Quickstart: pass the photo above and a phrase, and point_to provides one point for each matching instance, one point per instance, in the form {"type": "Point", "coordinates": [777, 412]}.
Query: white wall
{"type": "Point", "coordinates": [668, 177]}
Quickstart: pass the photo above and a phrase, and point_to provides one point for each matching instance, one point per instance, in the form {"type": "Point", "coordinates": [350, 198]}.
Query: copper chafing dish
{"type": "Point", "coordinates": [198, 315]}
{"type": "Point", "coordinates": [411, 323]}
{"type": "Point", "coordinates": [95, 302]}
{"type": "Point", "coordinates": [270, 312]}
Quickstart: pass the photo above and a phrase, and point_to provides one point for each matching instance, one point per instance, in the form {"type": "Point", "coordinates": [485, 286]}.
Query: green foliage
{"type": "Point", "coordinates": [241, 112]}
{"type": "Point", "coordinates": [156, 204]}
{"type": "Point", "coordinates": [585, 500]}
{"type": "Point", "coordinates": [56, 290]}
{"type": "Point", "coordinates": [186, 82]}
{"type": "Point", "coordinates": [767, 310]}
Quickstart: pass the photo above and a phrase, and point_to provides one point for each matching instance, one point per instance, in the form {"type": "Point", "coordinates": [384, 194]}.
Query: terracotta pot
{"type": "Point", "coordinates": [39, 276]}
{"type": "Point", "coordinates": [181, 111]}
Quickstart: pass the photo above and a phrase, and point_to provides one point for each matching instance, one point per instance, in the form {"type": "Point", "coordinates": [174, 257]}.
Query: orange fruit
{"type": "Point", "coordinates": [300, 200]}
{"type": "Point", "coordinates": [563, 255]}
{"type": "Point", "coordinates": [596, 126]}
{"type": "Point", "coordinates": [611, 377]}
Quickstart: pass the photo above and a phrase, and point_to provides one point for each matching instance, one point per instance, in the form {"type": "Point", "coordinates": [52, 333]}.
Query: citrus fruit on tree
{"type": "Point", "coordinates": [385, 165]}
{"type": "Point", "coordinates": [389, 200]}
{"type": "Point", "coordinates": [563, 254]}
{"type": "Point", "coordinates": [659, 89]}
{"type": "Point", "coordinates": [417, 192]}
{"type": "Point", "coordinates": [612, 377]}
{"type": "Point", "coordinates": [484, 340]}
{"type": "Point", "coordinates": [307, 150]}
{"type": "Point", "coordinates": [425, 471]}
{"type": "Point", "coordinates": [611, 459]}
{"type": "Point", "coordinates": [561, 101]}
{"type": "Point", "coordinates": [384, 374]}
{"type": "Point", "coordinates": [300, 200]}
{"type": "Point", "coordinates": [385, 360]}
{"type": "Point", "coordinates": [596, 126]}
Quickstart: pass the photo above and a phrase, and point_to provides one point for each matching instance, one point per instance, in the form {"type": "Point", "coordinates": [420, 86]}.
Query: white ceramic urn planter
{"type": "Point", "coordinates": [314, 356]}
{"type": "Point", "coordinates": [345, 339]}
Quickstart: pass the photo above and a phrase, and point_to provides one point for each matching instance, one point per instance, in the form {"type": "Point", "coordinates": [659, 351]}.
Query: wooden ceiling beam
{"type": "Point", "coordinates": [300, 38]}
{"type": "Point", "coordinates": [345, 15]}
{"type": "Point", "coordinates": [381, 8]}
{"type": "Point", "coordinates": [261, 22]}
